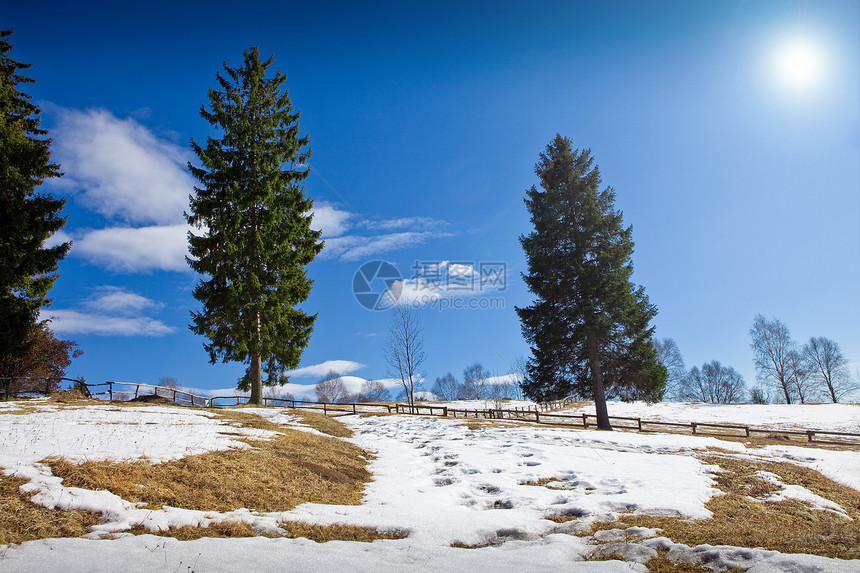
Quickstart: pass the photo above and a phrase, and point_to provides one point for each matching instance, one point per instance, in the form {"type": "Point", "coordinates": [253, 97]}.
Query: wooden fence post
{"type": "Point", "coordinates": [110, 391]}
{"type": "Point", "coordinates": [353, 409]}
{"type": "Point", "coordinates": [444, 411]}
{"type": "Point", "coordinates": [537, 416]}
{"type": "Point", "coordinates": [809, 434]}
{"type": "Point", "coordinates": [693, 425]}
{"type": "Point", "coordinates": [584, 421]}
{"type": "Point", "coordinates": [640, 423]}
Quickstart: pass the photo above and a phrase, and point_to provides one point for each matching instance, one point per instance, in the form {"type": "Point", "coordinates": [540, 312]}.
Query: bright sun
{"type": "Point", "coordinates": [799, 65]}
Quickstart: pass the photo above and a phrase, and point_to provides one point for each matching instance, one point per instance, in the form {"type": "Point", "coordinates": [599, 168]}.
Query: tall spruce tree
{"type": "Point", "coordinates": [27, 217]}
{"type": "Point", "coordinates": [256, 222]}
{"type": "Point", "coordinates": [589, 325]}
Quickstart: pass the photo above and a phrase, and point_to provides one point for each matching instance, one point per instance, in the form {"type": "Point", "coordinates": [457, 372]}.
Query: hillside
{"type": "Point", "coordinates": [162, 488]}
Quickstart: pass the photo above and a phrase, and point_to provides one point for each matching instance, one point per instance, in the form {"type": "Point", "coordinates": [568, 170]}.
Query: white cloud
{"type": "Point", "coordinates": [115, 300]}
{"type": "Point", "coordinates": [343, 243]}
{"type": "Point", "coordinates": [417, 291]}
{"type": "Point", "coordinates": [110, 311]}
{"type": "Point", "coordinates": [332, 221]}
{"type": "Point", "coordinates": [131, 176]}
{"type": "Point", "coordinates": [405, 223]}
{"type": "Point", "coordinates": [75, 322]}
{"type": "Point", "coordinates": [446, 280]}
{"type": "Point", "coordinates": [136, 249]}
{"type": "Point", "coordinates": [57, 238]}
{"type": "Point", "coordinates": [354, 247]}
{"type": "Point", "coordinates": [124, 169]}
{"type": "Point", "coordinates": [320, 370]}
{"type": "Point", "coordinates": [504, 379]}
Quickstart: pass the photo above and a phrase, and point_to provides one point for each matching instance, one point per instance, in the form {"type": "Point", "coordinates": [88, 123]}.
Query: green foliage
{"type": "Point", "coordinates": [255, 218]}
{"type": "Point", "coordinates": [589, 325]}
{"type": "Point", "coordinates": [27, 218]}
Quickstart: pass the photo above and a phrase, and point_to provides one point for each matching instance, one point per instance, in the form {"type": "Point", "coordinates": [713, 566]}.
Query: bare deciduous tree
{"type": "Point", "coordinates": [829, 367]}
{"type": "Point", "coordinates": [771, 344]}
{"type": "Point", "coordinates": [166, 382]}
{"type": "Point", "coordinates": [714, 383]}
{"type": "Point", "coordinates": [520, 371]}
{"type": "Point", "coordinates": [759, 395]}
{"type": "Point", "coordinates": [670, 356]}
{"type": "Point", "coordinates": [474, 381]}
{"type": "Point", "coordinates": [506, 386]}
{"type": "Point", "coordinates": [374, 391]}
{"type": "Point", "coordinates": [800, 376]}
{"type": "Point", "coordinates": [278, 393]}
{"type": "Point", "coordinates": [404, 350]}
{"type": "Point", "coordinates": [446, 387]}
{"type": "Point", "coordinates": [331, 389]}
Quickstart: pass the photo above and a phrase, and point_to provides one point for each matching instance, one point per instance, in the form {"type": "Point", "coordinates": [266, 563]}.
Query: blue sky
{"type": "Point", "coordinates": [742, 183]}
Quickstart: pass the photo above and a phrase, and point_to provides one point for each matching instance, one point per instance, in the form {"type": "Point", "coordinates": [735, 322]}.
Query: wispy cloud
{"type": "Point", "coordinates": [355, 247]}
{"type": "Point", "coordinates": [75, 322]}
{"type": "Point", "coordinates": [125, 171]}
{"type": "Point", "coordinates": [320, 370]}
{"type": "Point", "coordinates": [135, 249]}
{"type": "Point", "coordinates": [406, 223]}
{"type": "Point", "coordinates": [139, 182]}
{"type": "Point", "coordinates": [116, 300]}
{"type": "Point", "coordinates": [350, 237]}
{"type": "Point", "coordinates": [111, 311]}
{"type": "Point", "coordinates": [332, 221]}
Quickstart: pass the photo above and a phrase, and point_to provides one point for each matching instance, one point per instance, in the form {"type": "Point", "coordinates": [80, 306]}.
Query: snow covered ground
{"type": "Point", "coordinates": [831, 417]}
{"type": "Point", "coordinates": [436, 479]}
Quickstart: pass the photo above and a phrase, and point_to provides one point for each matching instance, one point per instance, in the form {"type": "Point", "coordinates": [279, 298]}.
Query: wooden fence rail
{"type": "Point", "coordinates": [582, 420]}
{"type": "Point", "coordinates": [38, 385]}
{"type": "Point", "coordinates": [540, 413]}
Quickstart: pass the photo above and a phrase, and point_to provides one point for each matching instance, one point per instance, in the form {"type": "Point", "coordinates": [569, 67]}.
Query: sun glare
{"type": "Point", "coordinates": [799, 65]}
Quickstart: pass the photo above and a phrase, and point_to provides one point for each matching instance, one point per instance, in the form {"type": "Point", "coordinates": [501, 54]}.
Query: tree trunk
{"type": "Point", "coordinates": [785, 390]}
{"type": "Point", "coordinates": [256, 371]}
{"type": "Point", "coordinates": [830, 389]}
{"type": "Point", "coordinates": [256, 380]}
{"type": "Point", "coordinates": [597, 386]}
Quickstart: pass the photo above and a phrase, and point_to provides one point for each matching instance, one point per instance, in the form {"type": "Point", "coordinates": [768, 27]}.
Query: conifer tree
{"type": "Point", "coordinates": [255, 220]}
{"type": "Point", "coordinates": [589, 325]}
{"type": "Point", "coordinates": [27, 217]}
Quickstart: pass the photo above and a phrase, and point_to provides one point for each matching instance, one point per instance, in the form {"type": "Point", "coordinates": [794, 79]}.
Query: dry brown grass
{"type": "Point", "coordinates": [663, 565]}
{"type": "Point", "coordinates": [787, 526]}
{"type": "Point", "coordinates": [337, 532]}
{"type": "Point", "coordinates": [293, 529]}
{"type": "Point", "coordinates": [275, 475]}
{"type": "Point", "coordinates": [461, 545]}
{"type": "Point", "coordinates": [22, 520]}
{"type": "Point", "coordinates": [322, 423]}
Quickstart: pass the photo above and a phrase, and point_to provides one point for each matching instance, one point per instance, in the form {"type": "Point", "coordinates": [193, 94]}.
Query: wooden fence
{"type": "Point", "coordinates": [14, 386]}
{"type": "Point", "coordinates": [544, 413]}
{"type": "Point", "coordinates": [586, 421]}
